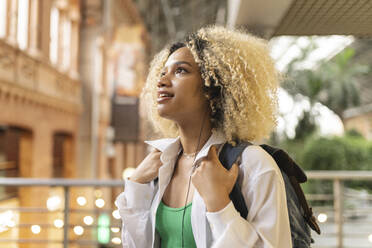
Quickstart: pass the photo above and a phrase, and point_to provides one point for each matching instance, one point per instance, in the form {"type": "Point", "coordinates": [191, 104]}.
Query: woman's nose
{"type": "Point", "coordinates": [163, 81]}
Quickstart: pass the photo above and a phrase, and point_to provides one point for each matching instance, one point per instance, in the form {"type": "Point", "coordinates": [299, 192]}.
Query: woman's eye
{"type": "Point", "coordinates": [180, 70]}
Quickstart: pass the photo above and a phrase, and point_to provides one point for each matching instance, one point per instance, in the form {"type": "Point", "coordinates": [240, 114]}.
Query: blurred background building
{"type": "Point", "coordinates": [71, 72]}
{"type": "Point", "coordinates": [61, 63]}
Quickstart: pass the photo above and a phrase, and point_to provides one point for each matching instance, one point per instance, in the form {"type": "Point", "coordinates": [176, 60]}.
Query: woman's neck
{"type": "Point", "coordinates": [194, 137]}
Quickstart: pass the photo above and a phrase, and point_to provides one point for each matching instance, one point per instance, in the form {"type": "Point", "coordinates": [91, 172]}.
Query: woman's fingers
{"type": "Point", "coordinates": [234, 172]}
{"type": "Point", "coordinates": [148, 169]}
{"type": "Point", "coordinates": [212, 154]}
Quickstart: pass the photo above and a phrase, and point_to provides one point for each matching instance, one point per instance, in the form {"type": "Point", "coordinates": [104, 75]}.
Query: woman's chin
{"type": "Point", "coordinates": [164, 113]}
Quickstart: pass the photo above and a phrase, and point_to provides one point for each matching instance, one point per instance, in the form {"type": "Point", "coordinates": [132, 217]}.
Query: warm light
{"type": "Point", "coordinates": [11, 223]}
{"type": "Point", "coordinates": [35, 229]}
{"type": "Point", "coordinates": [6, 216]}
{"type": "Point", "coordinates": [128, 172]}
{"type": "Point", "coordinates": [370, 238]}
{"type": "Point", "coordinates": [53, 203]}
{"type": "Point", "coordinates": [98, 193]}
{"type": "Point", "coordinates": [81, 200]}
{"type": "Point", "coordinates": [88, 220]}
{"type": "Point", "coordinates": [78, 230]}
{"type": "Point", "coordinates": [115, 229]}
{"type": "Point", "coordinates": [322, 218]}
{"type": "Point", "coordinates": [6, 220]}
{"type": "Point", "coordinates": [100, 203]}
{"type": "Point", "coordinates": [58, 223]}
{"type": "Point", "coordinates": [116, 241]}
{"type": "Point", "coordinates": [116, 214]}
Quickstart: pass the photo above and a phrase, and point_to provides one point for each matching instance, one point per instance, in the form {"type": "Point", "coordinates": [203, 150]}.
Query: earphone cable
{"type": "Point", "coordinates": [188, 187]}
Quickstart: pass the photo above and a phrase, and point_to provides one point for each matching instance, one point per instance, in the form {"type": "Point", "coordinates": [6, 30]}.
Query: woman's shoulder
{"type": "Point", "coordinates": [256, 161]}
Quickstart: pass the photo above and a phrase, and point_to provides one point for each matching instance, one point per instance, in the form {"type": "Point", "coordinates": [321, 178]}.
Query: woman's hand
{"type": "Point", "coordinates": [148, 169]}
{"type": "Point", "coordinates": [213, 182]}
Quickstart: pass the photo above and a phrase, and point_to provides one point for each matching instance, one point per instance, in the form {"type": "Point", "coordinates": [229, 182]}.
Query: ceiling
{"type": "Point", "coordinates": [303, 17]}
{"type": "Point", "coordinates": [169, 20]}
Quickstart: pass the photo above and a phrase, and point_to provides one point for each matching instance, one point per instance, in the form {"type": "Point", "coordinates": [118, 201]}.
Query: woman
{"type": "Point", "coordinates": [218, 86]}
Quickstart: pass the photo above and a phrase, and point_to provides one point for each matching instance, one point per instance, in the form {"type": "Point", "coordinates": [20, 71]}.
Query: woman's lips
{"type": "Point", "coordinates": [163, 99]}
{"type": "Point", "coordinates": [164, 96]}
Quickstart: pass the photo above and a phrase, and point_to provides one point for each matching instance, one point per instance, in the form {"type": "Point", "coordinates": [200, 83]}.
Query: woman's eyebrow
{"type": "Point", "coordinates": [179, 63]}
{"type": "Point", "coordinates": [182, 62]}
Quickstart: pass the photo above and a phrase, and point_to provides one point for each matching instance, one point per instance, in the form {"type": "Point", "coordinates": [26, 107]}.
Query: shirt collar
{"type": "Point", "coordinates": [171, 146]}
{"type": "Point", "coordinates": [162, 144]}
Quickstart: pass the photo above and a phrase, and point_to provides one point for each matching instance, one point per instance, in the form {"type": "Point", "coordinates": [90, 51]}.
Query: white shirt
{"type": "Point", "coordinates": [262, 185]}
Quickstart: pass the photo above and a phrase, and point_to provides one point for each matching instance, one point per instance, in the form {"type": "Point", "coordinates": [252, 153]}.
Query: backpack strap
{"type": "Point", "coordinates": [286, 163]}
{"type": "Point", "coordinates": [308, 212]}
{"type": "Point", "coordinates": [296, 176]}
{"type": "Point", "coordinates": [228, 155]}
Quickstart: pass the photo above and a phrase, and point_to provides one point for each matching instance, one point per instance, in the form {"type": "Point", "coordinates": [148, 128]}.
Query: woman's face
{"type": "Point", "coordinates": [180, 94]}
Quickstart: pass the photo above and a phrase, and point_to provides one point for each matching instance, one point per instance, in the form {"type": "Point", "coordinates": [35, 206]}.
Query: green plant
{"type": "Point", "coordinates": [333, 83]}
{"type": "Point", "coordinates": [349, 152]}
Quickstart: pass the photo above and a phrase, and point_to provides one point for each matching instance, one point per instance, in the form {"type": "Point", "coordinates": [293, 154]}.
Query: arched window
{"type": "Point", "coordinates": [15, 153]}
{"type": "Point", "coordinates": [63, 155]}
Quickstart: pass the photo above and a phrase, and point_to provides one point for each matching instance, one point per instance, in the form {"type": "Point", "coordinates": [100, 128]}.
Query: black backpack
{"type": "Point", "coordinates": [300, 214]}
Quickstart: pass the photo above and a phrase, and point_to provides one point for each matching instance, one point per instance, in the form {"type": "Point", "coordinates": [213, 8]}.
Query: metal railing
{"type": "Point", "coordinates": [66, 184]}
{"type": "Point", "coordinates": [338, 196]}
{"type": "Point", "coordinates": [337, 212]}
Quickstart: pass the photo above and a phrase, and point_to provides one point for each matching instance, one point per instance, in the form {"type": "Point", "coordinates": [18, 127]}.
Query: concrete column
{"type": "Point", "coordinates": [34, 162]}
{"type": "Point", "coordinates": [34, 28]}
{"type": "Point", "coordinates": [13, 20]}
{"type": "Point", "coordinates": [87, 51]}
{"type": "Point", "coordinates": [61, 36]}
{"type": "Point", "coordinates": [74, 16]}
{"type": "Point", "coordinates": [74, 49]}
{"type": "Point", "coordinates": [46, 6]}
{"type": "Point", "coordinates": [8, 16]}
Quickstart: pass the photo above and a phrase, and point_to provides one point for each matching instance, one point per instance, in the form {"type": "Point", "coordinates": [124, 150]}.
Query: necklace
{"type": "Point", "coordinates": [189, 155]}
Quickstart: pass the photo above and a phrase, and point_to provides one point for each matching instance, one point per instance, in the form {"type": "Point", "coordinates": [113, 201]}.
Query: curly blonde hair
{"type": "Point", "coordinates": [240, 82]}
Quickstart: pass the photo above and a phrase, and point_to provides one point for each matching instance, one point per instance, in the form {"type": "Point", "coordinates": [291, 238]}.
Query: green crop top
{"type": "Point", "coordinates": [169, 226]}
